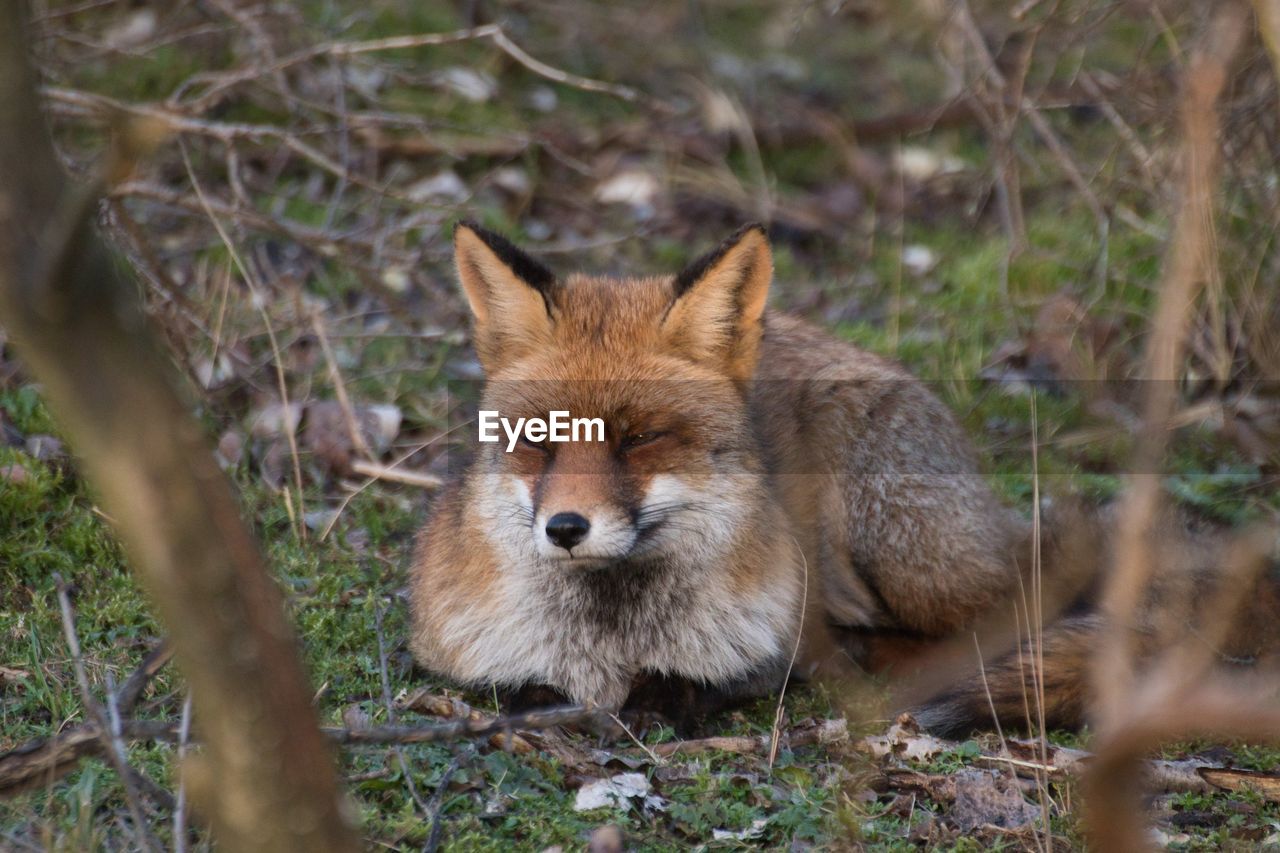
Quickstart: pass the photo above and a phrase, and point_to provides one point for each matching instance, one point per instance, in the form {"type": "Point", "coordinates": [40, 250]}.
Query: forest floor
{"type": "Point", "coordinates": [292, 233]}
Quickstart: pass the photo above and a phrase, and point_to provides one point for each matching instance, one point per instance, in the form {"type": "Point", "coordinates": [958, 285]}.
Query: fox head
{"type": "Point", "coordinates": [663, 362]}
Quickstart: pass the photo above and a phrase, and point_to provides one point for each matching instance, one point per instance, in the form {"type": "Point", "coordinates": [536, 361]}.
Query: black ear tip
{"type": "Point", "coordinates": [532, 271]}
{"type": "Point", "coordinates": [758, 227]}
{"type": "Point", "coordinates": [468, 224]}
{"type": "Point", "coordinates": [696, 270]}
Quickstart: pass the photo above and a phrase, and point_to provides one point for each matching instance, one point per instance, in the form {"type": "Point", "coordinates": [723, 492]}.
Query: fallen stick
{"type": "Point", "coordinates": [392, 474]}
{"type": "Point", "coordinates": [41, 761]}
{"type": "Point", "coordinates": [542, 718]}
{"type": "Point", "coordinates": [824, 732]}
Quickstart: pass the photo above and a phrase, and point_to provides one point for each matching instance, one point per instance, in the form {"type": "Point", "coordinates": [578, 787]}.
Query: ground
{"type": "Point", "coordinates": [895, 224]}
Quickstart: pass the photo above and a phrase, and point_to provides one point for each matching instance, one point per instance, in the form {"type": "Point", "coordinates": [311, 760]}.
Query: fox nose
{"type": "Point", "coordinates": [567, 529]}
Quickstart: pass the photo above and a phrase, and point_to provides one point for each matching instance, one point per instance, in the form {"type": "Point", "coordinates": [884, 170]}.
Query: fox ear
{"type": "Point", "coordinates": [510, 293]}
{"type": "Point", "coordinates": [719, 303]}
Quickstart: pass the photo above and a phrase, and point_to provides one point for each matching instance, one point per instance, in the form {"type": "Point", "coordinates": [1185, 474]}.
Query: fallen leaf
{"type": "Point", "coordinates": [616, 791]}
{"type": "Point", "coordinates": [905, 740]}
{"type": "Point", "coordinates": [988, 798]}
{"type": "Point", "coordinates": [754, 831]}
{"type": "Point", "coordinates": [8, 673]}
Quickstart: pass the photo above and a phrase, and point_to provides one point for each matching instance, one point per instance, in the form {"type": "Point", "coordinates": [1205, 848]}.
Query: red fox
{"type": "Point", "coordinates": [763, 492]}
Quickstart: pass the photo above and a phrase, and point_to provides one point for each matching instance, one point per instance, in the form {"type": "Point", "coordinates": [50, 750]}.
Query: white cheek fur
{"type": "Point", "coordinates": [704, 526]}
{"type": "Point", "coordinates": [506, 510]}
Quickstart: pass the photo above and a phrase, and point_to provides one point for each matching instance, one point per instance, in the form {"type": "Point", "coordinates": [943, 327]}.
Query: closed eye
{"type": "Point", "coordinates": [640, 439]}
{"type": "Point", "coordinates": [543, 446]}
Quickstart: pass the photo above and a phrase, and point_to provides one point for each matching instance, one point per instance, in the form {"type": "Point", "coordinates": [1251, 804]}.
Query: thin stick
{"type": "Point", "coordinates": [776, 730]}
{"type": "Point", "coordinates": [108, 732]}
{"type": "Point", "coordinates": [492, 32]}
{"type": "Point", "coordinates": [421, 479]}
{"type": "Point", "coordinates": [391, 713]}
{"type": "Point", "coordinates": [437, 802]}
{"type": "Point", "coordinates": [653, 756]}
{"type": "Point", "coordinates": [1189, 252]}
{"type": "Point", "coordinates": [300, 528]}
{"type": "Point", "coordinates": [545, 718]}
{"type": "Point", "coordinates": [1037, 598]}
{"type": "Point", "coordinates": [180, 809]}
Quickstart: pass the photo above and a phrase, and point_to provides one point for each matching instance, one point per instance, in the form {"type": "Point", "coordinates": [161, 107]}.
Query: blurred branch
{"type": "Point", "coordinates": [1173, 700]}
{"type": "Point", "coordinates": [1268, 15]}
{"type": "Point", "coordinates": [1190, 252]}
{"type": "Point", "coordinates": [265, 778]}
{"type": "Point", "coordinates": [1113, 783]}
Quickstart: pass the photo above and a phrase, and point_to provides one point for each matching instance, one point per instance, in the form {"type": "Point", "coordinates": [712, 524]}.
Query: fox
{"type": "Point", "coordinates": [767, 501]}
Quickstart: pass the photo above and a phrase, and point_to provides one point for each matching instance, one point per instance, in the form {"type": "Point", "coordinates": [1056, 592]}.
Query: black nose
{"type": "Point", "coordinates": [567, 529]}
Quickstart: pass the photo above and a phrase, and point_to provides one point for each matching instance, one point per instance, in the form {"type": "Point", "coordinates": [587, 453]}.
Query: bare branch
{"type": "Point", "coordinates": [265, 778]}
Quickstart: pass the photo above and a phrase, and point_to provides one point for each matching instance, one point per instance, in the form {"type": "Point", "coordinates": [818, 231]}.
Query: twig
{"type": "Point", "coordinates": [391, 713]}
{"type": "Point", "coordinates": [300, 528]}
{"type": "Point", "coordinates": [43, 759]}
{"type": "Point", "coordinates": [1189, 252]}
{"type": "Point", "coordinates": [421, 479]}
{"type": "Point", "coordinates": [1035, 623]}
{"type": "Point", "coordinates": [133, 687]}
{"type": "Point", "coordinates": [113, 391]}
{"type": "Point", "coordinates": [220, 83]}
{"type": "Point", "coordinates": [544, 718]}
{"type": "Point", "coordinates": [180, 808]}
{"type": "Point", "coordinates": [905, 742]}
{"type": "Point", "coordinates": [653, 756]}
{"type": "Point", "coordinates": [437, 802]}
{"type": "Point", "coordinates": [324, 243]}
{"type": "Point", "coordinates": [825, 732]}
{"type": "Point", "coordinates": [108, 731]}
{"type": "Point", "coordinates": [776, 730]}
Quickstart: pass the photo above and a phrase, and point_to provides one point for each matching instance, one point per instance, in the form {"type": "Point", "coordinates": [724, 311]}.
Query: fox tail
{"type": "Point", "coordinates": [1042, 684]}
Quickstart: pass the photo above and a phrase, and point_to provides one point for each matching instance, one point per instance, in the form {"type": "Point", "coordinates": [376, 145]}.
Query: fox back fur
{"type": "Point", "coordinates": [764, 492]}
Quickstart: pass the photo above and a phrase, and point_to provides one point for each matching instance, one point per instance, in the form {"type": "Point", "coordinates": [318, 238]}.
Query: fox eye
{"type": "Point", "coordinates": [536, 445]}
{"type": "Point", "coordinates": [639, 439]}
